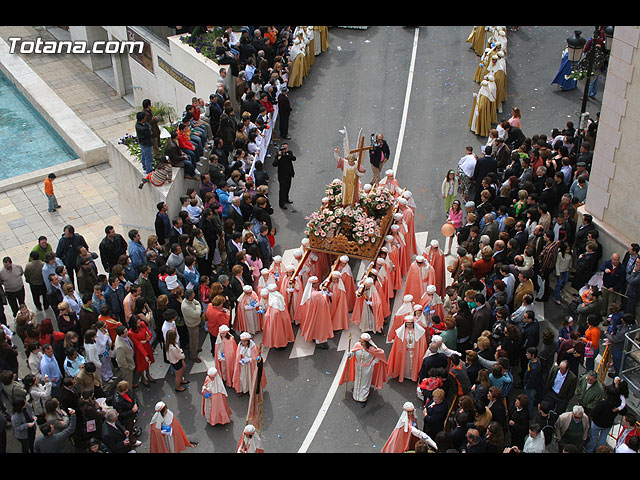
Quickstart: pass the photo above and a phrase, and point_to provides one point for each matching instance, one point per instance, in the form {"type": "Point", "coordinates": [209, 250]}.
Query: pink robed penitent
{"type": "Point", "coordinates": [379, 376]}
{"type": "Point", "coordinates": [418, 278]}
{"type": "Point", "coordinates": [376, 306]}
{"type": "Point", "coordinates": [435, 257]}
{"type": "Point", "coordinates": [277, 330]}
{"type": "Point", "coordinates": [398, 355]}
{"type": "Point", "coordinates": [225, 355]}
{"type": "Point", "coordinates": [315, 323]}
{"type": "Point", "coordinates": [215, 407]}
{"type": "Point", "coordinates": [338, 307]}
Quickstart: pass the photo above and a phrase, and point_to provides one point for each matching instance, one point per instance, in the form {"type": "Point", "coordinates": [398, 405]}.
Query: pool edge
{"type": "Point", "coordinates": [84, 141]}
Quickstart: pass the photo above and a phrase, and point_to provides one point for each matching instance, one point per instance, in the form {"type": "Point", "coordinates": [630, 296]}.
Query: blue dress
{"type": "Point", "coordinates": [565, 69]}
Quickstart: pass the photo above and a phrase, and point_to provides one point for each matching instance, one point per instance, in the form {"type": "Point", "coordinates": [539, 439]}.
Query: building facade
{"type": "Point", "coordinates": [614, 182]}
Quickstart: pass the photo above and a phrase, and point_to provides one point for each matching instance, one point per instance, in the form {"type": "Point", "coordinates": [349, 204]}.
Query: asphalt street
{"type": "Point", "coordinates": [361, 82]}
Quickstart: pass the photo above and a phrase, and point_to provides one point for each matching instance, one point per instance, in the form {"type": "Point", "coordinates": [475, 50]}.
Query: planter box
{"type": "Point", "coordinates": [137, 207]}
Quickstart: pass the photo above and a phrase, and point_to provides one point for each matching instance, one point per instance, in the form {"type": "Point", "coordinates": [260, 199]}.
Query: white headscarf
{"type": "Point", "coordinates": [308, 288]}
{"type": "Point", "coordinates": [346, 268]}
{"type": "Point", "coordinates": [409, 197]}
{"type": "Point", "coordinates": [418, 330]}
{"type": "Point", "coordinates": [403, 421]}
{"type": "Point", "coordinates": [158, 419]}
{"type": "Point", "coordinates": [406, 307]}
{"type": "Point", "coordinates": [215, 384]}
{"type": "Point", "coordinates": [338, 275]}
{"type": "Point", "coordinates": [276, 300]}
{"type": "Point", "coordinates": [223, 328]}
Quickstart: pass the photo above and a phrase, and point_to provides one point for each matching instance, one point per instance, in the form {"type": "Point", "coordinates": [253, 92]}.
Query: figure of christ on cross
{"type": "Point", "coordinates": [352, 170]}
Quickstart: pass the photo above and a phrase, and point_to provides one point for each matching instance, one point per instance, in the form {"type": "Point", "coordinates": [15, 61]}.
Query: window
{"type": "Point", "coordinates": [161, 32]}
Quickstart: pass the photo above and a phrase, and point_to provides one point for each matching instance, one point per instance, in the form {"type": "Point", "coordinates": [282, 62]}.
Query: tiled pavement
{"type": "Point", "coordinates": [89, 203]}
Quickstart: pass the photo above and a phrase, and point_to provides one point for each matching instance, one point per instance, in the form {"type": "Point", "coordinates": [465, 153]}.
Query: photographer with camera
{"type": "Point", "coordinates": [378, 155]}
{"type": "Point", "coordinates": [284, 162]}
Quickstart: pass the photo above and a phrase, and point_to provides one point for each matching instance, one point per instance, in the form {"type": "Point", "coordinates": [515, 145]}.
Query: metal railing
{"type": "Point", "coordinates": [630, 363]}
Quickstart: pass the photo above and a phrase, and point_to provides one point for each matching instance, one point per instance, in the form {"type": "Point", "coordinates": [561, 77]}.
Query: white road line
{"type": "Point", "coordinates": [324, 408]}
{"type": "Point", "coordinates": [403, 123]}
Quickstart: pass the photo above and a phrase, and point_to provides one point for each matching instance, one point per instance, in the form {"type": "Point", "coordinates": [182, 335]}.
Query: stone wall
{"type": "Point", "coordinates": [614, 181]}
{"type": "Point", "coordinates": [137, 207]}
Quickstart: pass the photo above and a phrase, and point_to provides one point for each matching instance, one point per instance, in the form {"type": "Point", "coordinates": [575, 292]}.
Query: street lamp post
{"type": "Point", "coordinates": [575, 46]}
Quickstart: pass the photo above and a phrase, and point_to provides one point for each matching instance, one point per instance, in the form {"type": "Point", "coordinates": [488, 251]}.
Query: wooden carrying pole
{"type": "Point", "coordinates": [297, 272]}
{"type": "Point", "coordinates": [326, 281]}
{"type": "Point", "coordinates": [346, 365]}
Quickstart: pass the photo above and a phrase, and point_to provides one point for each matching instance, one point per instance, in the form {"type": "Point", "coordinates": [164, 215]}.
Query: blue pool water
{"type": "Point", "coordinates": [29, 143]}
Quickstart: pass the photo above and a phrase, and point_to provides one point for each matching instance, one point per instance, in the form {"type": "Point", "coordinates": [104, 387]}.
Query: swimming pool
{"type": "Point", "coordinates": [29, 142]}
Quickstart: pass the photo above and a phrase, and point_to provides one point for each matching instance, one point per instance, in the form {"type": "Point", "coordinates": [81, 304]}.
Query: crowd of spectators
{"type": "Point", "coordinates": [94, 349]}
{"type": "Point", "coordinates": [531, 390]}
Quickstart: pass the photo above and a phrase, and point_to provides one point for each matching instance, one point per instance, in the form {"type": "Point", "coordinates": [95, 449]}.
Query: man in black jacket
{"type": "Point", "coordinates": [236, 214]}
{"type": "Point", "coordinates": [209, 229]}
{"type": "Point", "coordinates": [484, 165]}
{"type": "Point", "coordinates": [215, 110]}
{"type": "Point", "coordinates": [115, 436]}
{"type": "Point", "coordinates": [580, 239]}
{"type": "Point", "coordinates": [260, 212]}
{"type": "Point", "coordinates": [67, 249]}
{"type": "Point", "coordinates": [434, 359]}
{"type": "Point", "coordinates": [378, 155]}
{"type": "Point", "coordinates": [162, 224]}
{"type": "Point", "coordinates": [284, 162]}
{"type": "Point", "coordinates": [560, 386]}
{"type": "Point", "coordinates": [111, 247]}
{"type": "Point", "coordinates": [284, 111]}
{"type": "Point", "coordinates": [481, 317]}
{"type": "Point", "coordinates": [515, 137]}
{"type": "Point", "coordinates": [502, 154]}
{"type": "Point", "coordinates": [251, 105]}
{"type": "Point", "coordinates": [145, 134]}
{"type": "Point", "coordinates": [234, 245]}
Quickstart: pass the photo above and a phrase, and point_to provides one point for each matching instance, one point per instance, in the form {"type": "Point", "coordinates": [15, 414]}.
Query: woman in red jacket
{"type": "Point", "coordinates": [216, 315]}
{"type": "Point", "coordinates": [141, 336]}
{"type": "Point", "coordinates": [485, 264]}
{"type": "Point", "coordinates": [48, 335]}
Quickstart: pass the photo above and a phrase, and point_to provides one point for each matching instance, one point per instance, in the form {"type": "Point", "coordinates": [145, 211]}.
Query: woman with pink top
{"type": "Point", "coordinates": [455, 215]}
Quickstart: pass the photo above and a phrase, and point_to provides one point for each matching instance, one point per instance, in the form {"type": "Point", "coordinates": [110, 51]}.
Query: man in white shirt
{"type": "Point", "coordinates": [628, 436]}
{"type": "Point", "coordinates": [509, 280]}
{"type": "Point", "coordinates": [632, 447]}
{"type": "Point", "coordinates": [466, 169]}
{"type": "Point", "coordinates": [534, 442]}
{"type": "Point", "coordinates": [170, 316]}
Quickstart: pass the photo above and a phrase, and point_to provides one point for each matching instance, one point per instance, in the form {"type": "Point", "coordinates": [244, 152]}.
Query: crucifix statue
{"type": "Point", "coordinates": [352, 169]}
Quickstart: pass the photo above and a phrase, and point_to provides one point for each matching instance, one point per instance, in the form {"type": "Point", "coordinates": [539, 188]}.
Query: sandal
{"type": "Point", "coordinates": [184, 382]}
{"type": "Point", "coordinates": [144, 382]}
{"type": "Point", "coordinates": [182, 389]}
